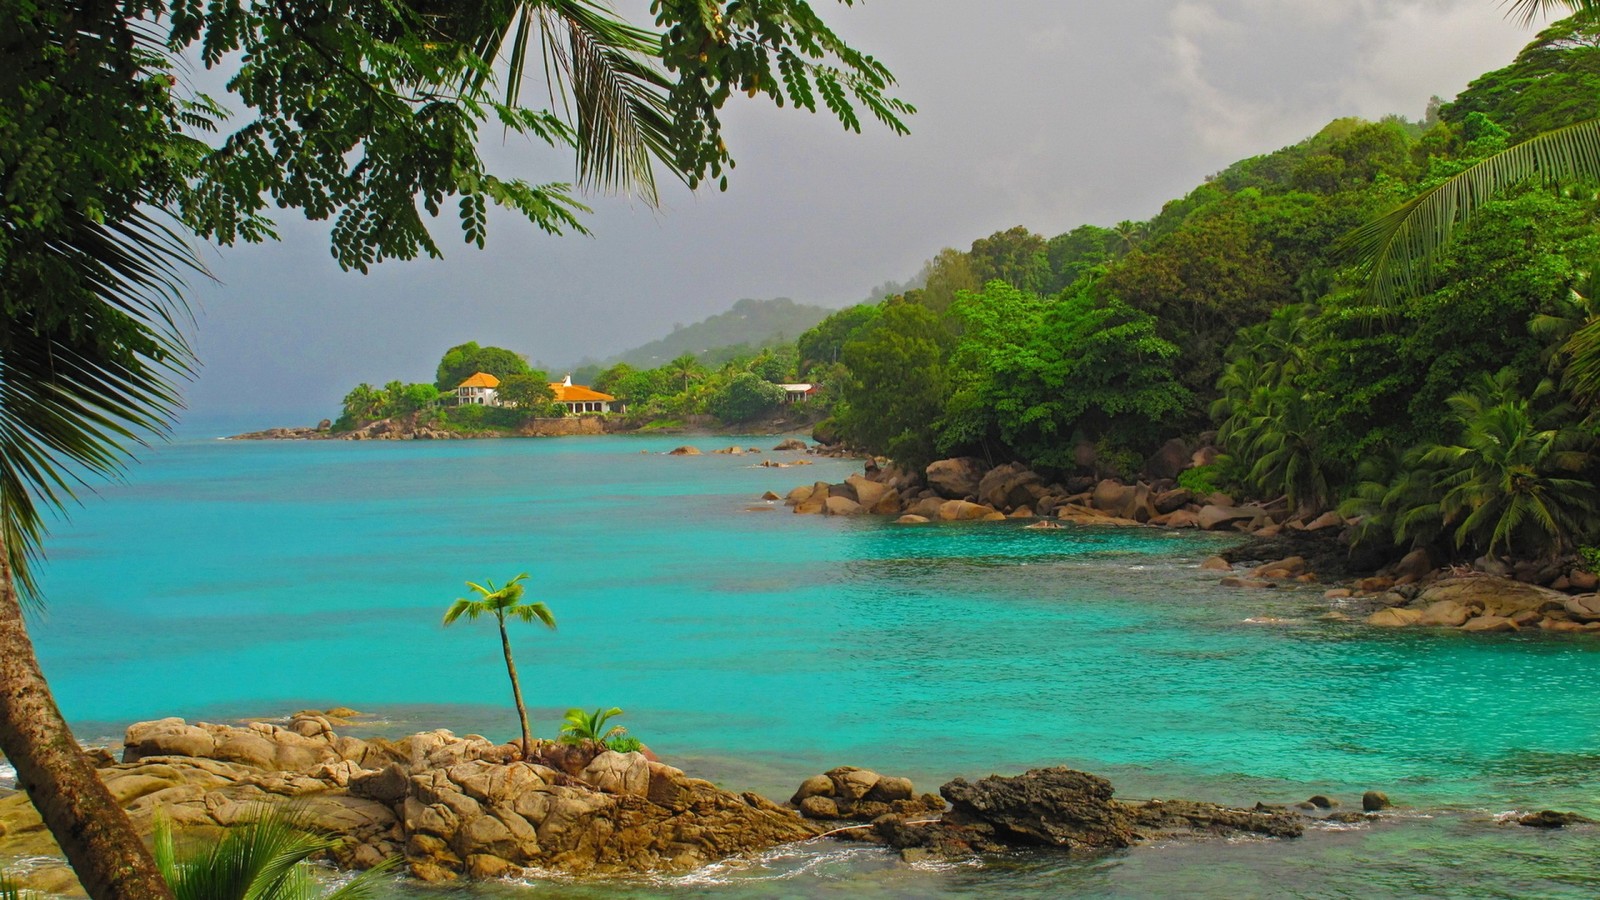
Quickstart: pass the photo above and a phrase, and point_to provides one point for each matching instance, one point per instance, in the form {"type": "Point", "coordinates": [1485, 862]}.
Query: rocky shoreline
{"type": "Point", "coordinates": [466, 808]}
{"type": "Point", "coordinates": [1281, 548]}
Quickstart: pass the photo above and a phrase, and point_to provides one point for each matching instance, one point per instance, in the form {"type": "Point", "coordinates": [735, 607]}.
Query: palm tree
{"type": "Point", "coordinates": [500, 603]}
{"type": "Point", "coordinates": [1401, 246]}
{"type": "Point", "coordinates": [1508, 479]}
{"type": "Point", "coordinates": [686, 367]}
{"type": "Point", "coordinates": [264, 859]}
{"type": "Point", "coordinates": [579, 727]}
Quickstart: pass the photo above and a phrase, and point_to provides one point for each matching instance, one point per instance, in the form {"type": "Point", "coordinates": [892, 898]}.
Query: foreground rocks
{"type": "Point", "coordinates": [1057, 807]}
{"type": "Point", "coordinates": [1480, 603]}
{"type": "Point", "coordinates": [451, 806]}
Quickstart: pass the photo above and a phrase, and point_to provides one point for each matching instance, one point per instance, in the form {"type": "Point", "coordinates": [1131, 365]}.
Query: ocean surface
{"type": "Point", "coordinates": [753, 647]}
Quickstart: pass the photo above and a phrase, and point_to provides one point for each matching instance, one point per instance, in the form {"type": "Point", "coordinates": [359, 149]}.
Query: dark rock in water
{"type": "Point", "coordinates": [860, 795]}
{"type": "Point", "coordinates": [1178, 817]}
{"type": "Point", "coordinates": [1069, 809]}
{"type": "Point", "coordinates": [1059, 807]}
{"type": "Point", "coordinates": [1549, 818]}
{"type": "Point", "coordinates": [1372, 801]}
{"type": "Point", "coordinates": [1322, 801]}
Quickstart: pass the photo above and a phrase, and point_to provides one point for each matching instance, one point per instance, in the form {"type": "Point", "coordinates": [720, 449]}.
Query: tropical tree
{"type": "Point", "coordinates": [686, 369]}
{"type": "Point", "coordinates": [366, 113]}
{"type": "Point", "coordinates": [744, 397]}
{"type": "Point", "coordinates": [502, 603]}
{"type": "Point", "coordinates": [531, 391]}
{"type": "Point", "coordinates": [1401, 247]}
{"type": "Point", "coordinates": [580, 727]}
{"type": "Point", "coordinates": [266, 858]}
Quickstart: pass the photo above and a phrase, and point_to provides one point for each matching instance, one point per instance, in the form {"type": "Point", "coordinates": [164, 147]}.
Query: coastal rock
{"type": "Point", "coordinates": [963, 511]}
{"type": "Point", "coordinates": [1010, 486]}
{"type": "Point", "coordinates": [1395, 618]}
{"type": "Point", "coordinates": [790, 444]}
{"type": "Point", "coordinates": [1216, 564]}
{"type": "Point", "coordinates": [1169, 461]}
{"type": "Point", "coordinates": [1550, 818]}
{"type": "Point", "coordinates": [842, 506]}
{"type": "Point", "coordinates": [1214, 517]}
{"type": "Point", "coordinates": [957, 478]}
{"type": "Point", "coordinates": [1489, 624]}
{"type": "Point", "coordinates": [1583, 607]}
{"type": "Point", "coordinates": [1414, 565]}
{"type": "Point", "coordinates": [1446, 613]}
{"type": "Point", "coordinates": [1495, 595]}
{"type": "Point", "coordinates": [684, 451]}
{"type": "Point", "coordinates": [1122, 501]}
{"type": "Point", "coordinates": [861, 795]}
{"type": "Point", "coordinates": [1171, 501]}
{"type": "Point", "coordinates": [868, 493]}
{"type": "Point", "coordinates": [911, 519]}
{"type": "Point", "coordinates": [1058, 807]}
{"type": "Point", "coordinates": [1373, 801]}
{"type": "Point", "coordinates": [452, 806]}
{"type": "Point", "coordinates": [1282, 569]}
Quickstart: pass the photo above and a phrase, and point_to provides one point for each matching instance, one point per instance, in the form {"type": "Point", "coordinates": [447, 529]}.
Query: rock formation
{"type": "Point", "coordinates": [452, 806]}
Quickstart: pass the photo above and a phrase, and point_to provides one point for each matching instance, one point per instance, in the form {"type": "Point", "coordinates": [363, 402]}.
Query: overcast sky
{"type": "Point", "coordinates": [1043, 113]}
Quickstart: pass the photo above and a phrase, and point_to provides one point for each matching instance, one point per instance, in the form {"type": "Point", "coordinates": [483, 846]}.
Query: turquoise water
{"type": "Point", "coordinates": [755, 647]}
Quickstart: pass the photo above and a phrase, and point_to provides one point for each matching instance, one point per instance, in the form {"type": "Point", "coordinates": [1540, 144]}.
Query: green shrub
{"type": "Point", "coordinates": [1200, 480]}
{"type": "Point", "coordinates": [625, 744]}
{"type": "Point", "coordinates": [1590, 555]}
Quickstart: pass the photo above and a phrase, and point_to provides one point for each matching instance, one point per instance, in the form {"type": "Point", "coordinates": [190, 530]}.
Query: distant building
{"type": "Point", "coordinates": [580, 399]}
{"type": "Point", "coordinates": [479, 390]}
{"type": "Point", "coordinates": [797, 393]}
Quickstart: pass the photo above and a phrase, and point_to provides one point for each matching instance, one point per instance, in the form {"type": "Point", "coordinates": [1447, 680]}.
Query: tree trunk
{"type": "Point", "coordinates": [96, 835]}
{"type": "Point", "coordinates": [516, 691]}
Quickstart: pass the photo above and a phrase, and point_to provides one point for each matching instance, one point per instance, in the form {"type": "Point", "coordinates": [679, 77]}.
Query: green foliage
{"type": "Point", "coordinates": [530, 392]}
{"type": "Point", "coordinates": [265, 858]}
{"type": "Point", "coordinates": [823, 343]}
{"type": "Point", "coordinates": [472, 418]}
{"type": "Point", "coordinates": [1554, 81]}
{"type": "Point", "coordinates": [897, 383]}
{"type": "Point", "coordinates": [579, 727]}
{"type": "Point", "coordinates": [1590, 555]}
{"type": "Point", "coordinates": [943, 278]}
{"type": "Point", "coordinates": [624, 744]}
{"type": "Point", "coordinates": [465, 360]}
{"type": "Point", "coordinates": [1042, 371]}
{"type": "Point", "coordinates": [745, 397]}
{"type": "Point", "coordinates": [1508, 483]}
{"type": "Point", "coordinates": [1017, 257]}
{"type": "Point", "coordinates": [1201, 480]}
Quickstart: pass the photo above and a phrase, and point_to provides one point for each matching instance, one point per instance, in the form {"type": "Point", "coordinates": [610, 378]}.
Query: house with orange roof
{"type": "Point", "coordinates": [479, 390]}
{"type": "Point", "coordinates": [580, 399]}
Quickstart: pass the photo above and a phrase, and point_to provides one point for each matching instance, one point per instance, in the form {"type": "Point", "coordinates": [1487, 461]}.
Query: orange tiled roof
{"type": "Point", "coordinates": [577, 393]}
{"type": "Point", "coordinates": [481, 379]}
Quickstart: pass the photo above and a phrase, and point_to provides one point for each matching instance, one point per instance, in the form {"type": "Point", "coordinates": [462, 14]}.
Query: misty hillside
{"type": "Point", "coordinates": [753, 323]}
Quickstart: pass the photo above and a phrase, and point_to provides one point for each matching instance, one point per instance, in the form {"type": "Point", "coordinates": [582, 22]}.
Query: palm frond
{"type": "Point", "coordinates": [1526, 11]}
{"type": "Point", "coordinates": [1402, 246]}
{"type": "Point", "coordinates": [263, 859]}
{"type": "Point", "coordinates": [86, 369]}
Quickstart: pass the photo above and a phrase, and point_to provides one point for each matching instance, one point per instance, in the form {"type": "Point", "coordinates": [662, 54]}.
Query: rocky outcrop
{"type": "Point", "coordinates": [1484, 604]}
{"type": "Point", "coordinates": [956, 479]}
{"type": "Point", "coordinates": [451, 806]}
{"type": "Point", "coordinates": [861, 795]}
{"type": "Point", "coordinates": [1062, 808]}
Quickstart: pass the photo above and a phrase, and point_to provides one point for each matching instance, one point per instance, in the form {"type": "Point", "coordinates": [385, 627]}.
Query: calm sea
{"type": "Point", "coordinates": [755, 648]}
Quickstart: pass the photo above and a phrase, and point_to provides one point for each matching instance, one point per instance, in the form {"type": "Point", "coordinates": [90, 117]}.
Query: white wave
{"type": "Point", "coordinates": [8, 777]}
{"type": "Point", "coordinates": [777, 864]}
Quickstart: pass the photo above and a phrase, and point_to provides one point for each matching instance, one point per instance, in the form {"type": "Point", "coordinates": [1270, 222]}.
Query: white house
{"type": "Point", "coordinates": [797, 393]}
{"type": "Point", "coordinates": [479, 390]}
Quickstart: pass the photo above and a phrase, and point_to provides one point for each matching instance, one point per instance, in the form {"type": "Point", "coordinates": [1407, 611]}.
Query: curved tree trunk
{"type": "Point", "coordinates": [516, 691]}
{"type": "Point", "coordinates": [99, 841]}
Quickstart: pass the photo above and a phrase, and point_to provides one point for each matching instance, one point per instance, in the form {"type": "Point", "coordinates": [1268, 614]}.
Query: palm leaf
{"type": "Point", "coordinates": [1401, 247]}
{"type": "Point", "coordinates": [1526, 11]}
{"type": "Point", "coordinates": [87, 367]}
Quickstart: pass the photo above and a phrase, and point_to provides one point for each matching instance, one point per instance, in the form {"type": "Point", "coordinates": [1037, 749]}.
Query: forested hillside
{"type": "Point", "coordinates": [1457, 416]}
{"type": "Point", "coordinates": [746, 328]}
